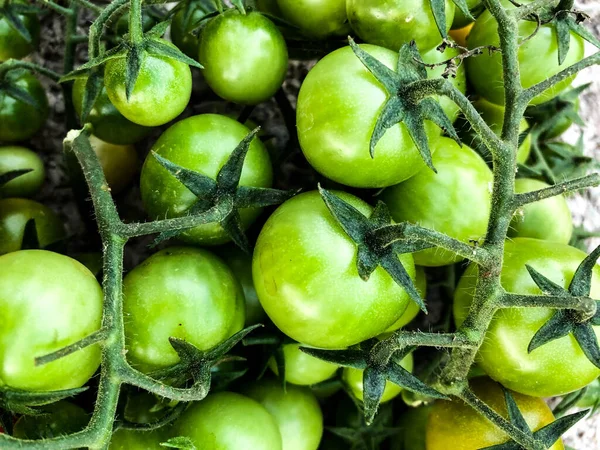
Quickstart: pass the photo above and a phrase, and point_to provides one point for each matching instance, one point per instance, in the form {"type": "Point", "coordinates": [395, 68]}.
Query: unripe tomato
{"type": "Point", "coordinates": [413, 309]}
{"type": "Point", "coordinates": [12, 158]}
{"type": "Point", "coordinates": [317, 19]}
{"type": "Point", "coordinates": [119, 163]}
{"type": "Point", "coordinates": [12, 44]}
{"type": "Point", "coordinates": [303, 369]}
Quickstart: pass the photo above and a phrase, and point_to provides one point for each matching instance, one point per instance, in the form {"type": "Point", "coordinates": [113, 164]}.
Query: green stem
{"type": "Point", "coordinates": [136, 27]}
{"type": "Point", "coordinates": [67, 12]}
{"type": "Point", "coordinates": [592, 180]}
{"type": "Point", "coordinates": [99, 24]}
{"type": "Point", "coordinates": [12, 64]}
{"type": "Point", "coordinates": [583, 304]}
{"type": "Point", "coordinates": [527, 9]}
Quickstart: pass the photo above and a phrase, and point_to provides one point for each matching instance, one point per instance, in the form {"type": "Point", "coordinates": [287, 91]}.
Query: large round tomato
{"type": "Point", "coordinates": [161, 91]}
{"type": "Point", "coordinates": [14, 215]}
{"type": "Point", "coordinates": [296, 412]}
{"type": "Point", "coordinates": [455, 201]}
{"type": "Point", "coordinates": [538, 58]}
{"type": "Point", "coordinates": [241, 266]}
{"type": "Point", "coordinates": [549, 219]}
{"type": "Point", "coordinates": [119, 162]}
{"type": "Point", "coordinates": [181, 292]}
{"type": "Point", "coordinates": [48, 301]}
{"type": "Point", "coordinates": [354, 380]}
{"type": "Point", "coordinates": [12, 44]}
{"type": "Point", "coordinates": [20, 120]}
{"type": "Point", "coordinates": [310, 287]}
{"type": "Point", "coordinates": [338, 106]}
{"type": "Point", "coordinates": [12, 158]}
{"type": "Point", "coordinates": [413, 309]}
{"type": "Point", "coordinates": [317, 19]}
{"type": "Point", "coordinates": [458, 423]}
{"type": "Point", "coordinates": [202, 143]}
{"type": "Point", "coordinates": [555, 368]}
{"type": "Point", "coordinates": [54, 420]}
{"type": "Point", "coordinates": [244, 57]}
{"type": "Point", "coordinates": [301, 368]}
{"type": "Point", "coordinates": [391, 23]}
{"type": "Point", "coordinates": [229, 421]}
{"type": "Point", "coordinates": [107, 122]}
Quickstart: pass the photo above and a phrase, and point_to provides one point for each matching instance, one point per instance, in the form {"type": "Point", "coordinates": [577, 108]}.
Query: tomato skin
{"type": "Point", "coordinates": [318, 19]}
{"type": "Point", "coordinates": [190, 293]}
{"type": "Point", "coordinates": [13, 157]}
{"type": "Point", "coordinates": [338, 106]}
{"type": "Point", "coordinates": [549, 219]}
{"type": "Point", "coordinates": [244, 57]}
{"type": "Point", "coordinates": [391, 23]}
{"type": "Point", "coordinates": [305, 274]}
{"type": "Point", "coordinates": [353, 378]}
{"type": "Point", "coordinates": [161, 92]}
{"type": "Point", "coordinates": [14, 215]}
{"type": "Point", "coordinates": [303, 369]}
{"type": "Point", "coordinates": [202, 143]}
{"type": "Point", "coordinates": [412, 310]}
{"type": "Point", "coordinates": [295, 410]}
{"type": "Point", "coordinates": [229, 421]}
{"type": "Point", "coordinates": [57, 419]}
{"type": "Point", "coordinates": [62, 303]}
{"type": "Point", "coordinates": [107, 122]}
{"type": "Point", "coordinates": [12, 44]}
{"type": "Point", "coordinates": [119, 163]}
{"type": "Point", "coordinates": [123, 439]}
{"type": "Point", "coordinates": [538, 59]}
{"type": "Point", "coordinates": [460, 424]}
{"type": "Point", "coordinates": [18, 120]}
{"type": "Point", "coordinates": [553, 369]}
{"type": "Point", "coordinates": [455, 201]}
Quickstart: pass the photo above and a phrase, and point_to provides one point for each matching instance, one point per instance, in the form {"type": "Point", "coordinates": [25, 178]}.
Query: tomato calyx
{"type": "Point", "coordinates": [24, 402]}
{"type": "Point", "coordinates": [12, 12]}
{"type": "Point", "coordinates": [376, 373]}
{"type": "Point", "coordinates": [579, 322]}
{"type": "Point", "coordinates": [9, 85]}
{"type": "Point", "coordinates": [400, 107]}
{"type": "Point", "coordinates": [225, 192]}
{"type": "Point", "coordinates": [438, 8]}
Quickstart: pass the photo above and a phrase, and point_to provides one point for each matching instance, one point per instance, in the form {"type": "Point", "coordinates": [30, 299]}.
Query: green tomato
{"type": "Point", "coordinates": [19, 120]}
{"type": "Point", "coordinates": [181, 29]}
{"type": "Point", "coordinates": [55, 420]}
{"type": "Point", "coordinates": [303, 369]}
{"type": "Point", "coordinates": [455, 201]}
{"type": "Point", "coordinates": [412, 426]}
{"type": "Point", "coordinates": [318, 19]}
{"type": "Point", "coordinates": [391, 23]}
{"type": "Point", "coordinates": [91, 260]}
{"type": "Point", "coordinates": [295, 410]}
{"type": "Point", "coordinates": [107, 122]}
{"type": "Point", "coordinates": [12, 44]}
{"type": "Point", "coordinates": [161, 92]}
{"type": "Point", "coordinates": [458, 423]}
{"type": "Point", "coordinates": [123, 439]}
{"type": "Point", "coordinates": [460, 20]}
{"type": "Point", "coordinates": [201, 143]}
{"type": "Point", "coordinates": [121, 26]}
{"type": "Point", "coordinates": [229, 421]}
{"type": "Point", "coordinates": [353, 378]}
{"type": "Point", "coordinates": [549, 219]}
{"type": "Point", "coordinates": [413, 309]}
{"type": "Point", "coordinates": [338, 106]}
{"type": "Point", "coordinates": [553, 369]}
{"type": "Point", "coordinates": [181, 292]}
{"type": "Point", "coordinates": [240, 264]}
{"type": "Point", "coordinates": [538, 58]}
{"type": "Point", "coordinates": [119, 163]}
{"type": "Point", "coordinates": [12, 158]}
{"type": "Point", "coordinates": [57, 303]}
{"type": "Point", "coordinates": [310, 287]}
{"type": "Point", "coordinates": [244, 57]}
{"type": "Point", "coordinates": [14, 215]}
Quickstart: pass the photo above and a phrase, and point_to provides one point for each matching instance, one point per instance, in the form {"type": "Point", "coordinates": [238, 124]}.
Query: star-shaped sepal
{"type": "Point", "coordinates": [370, 253]}
{"type": "Point", "coordinates": [547, 435]}
{"type": "Point", "coordinates": [224, 192]}
{"type": "Point", "coordinates": [401, 105]}
{"type": "Point", "coordinates": [569, 321]}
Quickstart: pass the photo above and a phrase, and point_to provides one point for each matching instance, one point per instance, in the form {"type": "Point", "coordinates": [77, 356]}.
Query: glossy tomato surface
{"type": "Point", "coordinates": [305, 274]}
{"type": "Point", "coordinates": [182, 292]}
{"type": "Point", "coordinates": [412, 309]}
{"type": "Point", "coordinates": [244, 57]}
{"type": "Point", "coordinates": [201, 143]}
{"type": "Point", "coordinates": [455, 201]}
{"type": "Point", "coordinates": [303, 369]}
{"type": "Point", "coordinates": [338, 107]}
{"type": "Point", "coordinates": [466, 429]}
{"type": "Point", "coordinates": [555, 368]}
{"type": "Point", "coordinates": [58, 302]}
{"type": "Point", "coordinates": [317, 19]}
{"type": "Point", "coordinates": [12, 43]}
{"type": "Point", "coordinates": [119, 162]}
{"type": "Point", "coordinates": [13, 157]}
{"type": "Point", "coordinates": [161, 92]}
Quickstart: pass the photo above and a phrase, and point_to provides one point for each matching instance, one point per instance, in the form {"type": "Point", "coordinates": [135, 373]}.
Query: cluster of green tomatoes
{"type": "Point", "coordinates": [302, 275]}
